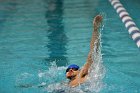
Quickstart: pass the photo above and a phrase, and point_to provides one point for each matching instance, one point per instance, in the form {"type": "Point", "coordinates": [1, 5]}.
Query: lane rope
{"type": "Point", "coordinates": [133, 30]}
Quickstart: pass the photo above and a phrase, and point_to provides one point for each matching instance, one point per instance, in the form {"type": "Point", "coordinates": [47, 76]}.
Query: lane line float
{"type": "Point", "coordinates": [133, 30]}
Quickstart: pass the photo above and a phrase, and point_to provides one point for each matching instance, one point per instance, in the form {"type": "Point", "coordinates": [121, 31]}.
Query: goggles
{"type": "Point", "coordinates": [73, 67]}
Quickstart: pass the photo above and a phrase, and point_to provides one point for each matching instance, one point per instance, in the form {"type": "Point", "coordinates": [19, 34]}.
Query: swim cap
{"type": "Point", "coordinates": [71, 67]}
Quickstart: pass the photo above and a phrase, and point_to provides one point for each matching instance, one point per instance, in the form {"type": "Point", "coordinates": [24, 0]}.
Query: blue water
{"type": "Point", "coordinates": [39, 38]}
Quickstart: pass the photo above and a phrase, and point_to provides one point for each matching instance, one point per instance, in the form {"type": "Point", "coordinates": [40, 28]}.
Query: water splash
{"type": "Point", "coordinates": [44, 78]}
{"type": "Point", "coordinates": [53, 75]}
{"type": "Point", "coordinates": [25, 80]}
{"type": "Point", "coordinates": [94, 83]}
{"type": "Point", "coordinates": [97, 70]}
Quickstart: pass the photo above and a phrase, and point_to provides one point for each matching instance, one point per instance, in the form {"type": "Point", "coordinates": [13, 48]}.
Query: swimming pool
{"type": "Point", "coordinates": [39, 38]}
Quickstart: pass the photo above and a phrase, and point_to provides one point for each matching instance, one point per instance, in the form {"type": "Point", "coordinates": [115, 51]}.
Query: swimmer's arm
{"type": "Point", "coordinates": [84, 70]}
{"type": "Point", "coordinates": [96, 23]}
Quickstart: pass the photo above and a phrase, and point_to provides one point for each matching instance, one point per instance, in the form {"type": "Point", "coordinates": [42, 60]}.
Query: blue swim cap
{"type": "Point", "coordinates": [72, 66]}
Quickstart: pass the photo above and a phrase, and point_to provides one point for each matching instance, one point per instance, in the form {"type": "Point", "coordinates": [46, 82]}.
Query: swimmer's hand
{"type": "Point", "coordinates": [97, 21]}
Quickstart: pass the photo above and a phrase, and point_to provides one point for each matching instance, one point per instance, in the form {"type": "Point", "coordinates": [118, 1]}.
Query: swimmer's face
{"type": "Point", "coordinates": [72, 73]}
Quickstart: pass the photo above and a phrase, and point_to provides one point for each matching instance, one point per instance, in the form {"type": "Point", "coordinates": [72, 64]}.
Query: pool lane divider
{"type": "Point", "coordinates": [133, 30]}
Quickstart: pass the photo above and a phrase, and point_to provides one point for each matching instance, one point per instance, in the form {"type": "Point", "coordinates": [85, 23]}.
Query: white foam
{"type": "Point", "coordinates": [41, 74]}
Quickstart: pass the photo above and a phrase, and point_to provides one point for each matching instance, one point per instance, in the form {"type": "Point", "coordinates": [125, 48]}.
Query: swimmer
{"type": "Point", "coordinates": [73, 72]}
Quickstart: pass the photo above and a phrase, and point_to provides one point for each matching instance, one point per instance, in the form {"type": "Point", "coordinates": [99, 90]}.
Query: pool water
{"type": "Point", "coordinates": [39, 38]}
